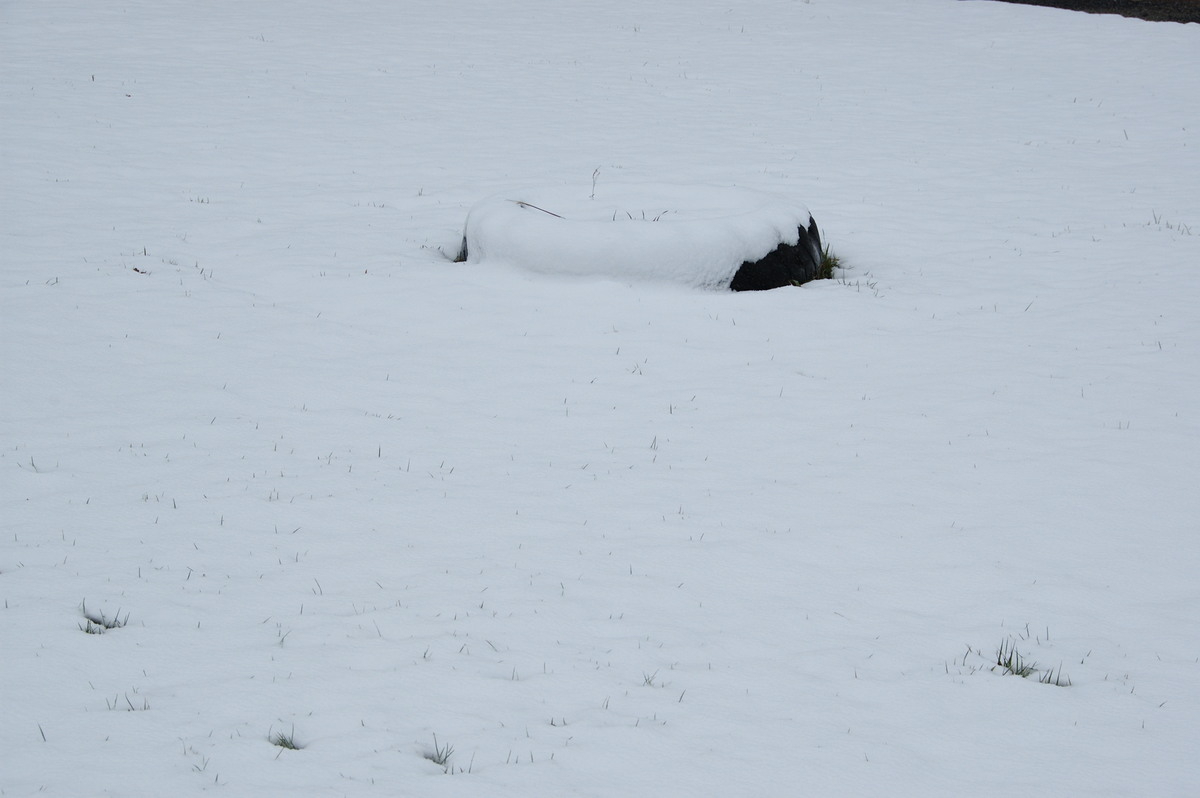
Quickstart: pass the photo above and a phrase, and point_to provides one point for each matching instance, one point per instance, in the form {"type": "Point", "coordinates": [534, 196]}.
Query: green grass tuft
{"type": "Point", "coordinates": [1010, 660]}
{"type": "Point", "coordinates": [830, 263]}
{"type": "Point", "coordinates": [285, 739]}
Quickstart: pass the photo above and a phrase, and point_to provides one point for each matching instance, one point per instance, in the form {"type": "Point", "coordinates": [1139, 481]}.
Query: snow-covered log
{"type": "Point", "coordinates": [700, 235]}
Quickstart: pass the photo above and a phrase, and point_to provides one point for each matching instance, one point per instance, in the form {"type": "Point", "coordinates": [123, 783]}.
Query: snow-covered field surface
{"type": "Point", "coordinates": [602, 537]}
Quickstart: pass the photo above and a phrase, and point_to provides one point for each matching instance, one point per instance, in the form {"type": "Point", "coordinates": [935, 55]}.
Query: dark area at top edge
{"type": "Point", "coordinates": [1153, 10]}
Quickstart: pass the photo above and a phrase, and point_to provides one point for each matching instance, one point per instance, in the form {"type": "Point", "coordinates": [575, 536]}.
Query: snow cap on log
{"type": "Point", "coordinates": [711, 237]}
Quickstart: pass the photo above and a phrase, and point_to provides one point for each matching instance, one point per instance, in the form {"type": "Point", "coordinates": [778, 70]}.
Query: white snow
{"type": "Point", "coordinates": [696, 235]}
{"type": "Point", "coordinates": [601, 536]}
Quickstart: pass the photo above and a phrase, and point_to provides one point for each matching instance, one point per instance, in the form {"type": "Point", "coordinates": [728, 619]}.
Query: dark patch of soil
{"type": "Point", "coordinates": [1153, 10]}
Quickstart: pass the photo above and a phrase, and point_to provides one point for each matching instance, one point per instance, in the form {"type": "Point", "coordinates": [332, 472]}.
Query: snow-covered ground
{"type": "Point", "coordinates": [602, 537]}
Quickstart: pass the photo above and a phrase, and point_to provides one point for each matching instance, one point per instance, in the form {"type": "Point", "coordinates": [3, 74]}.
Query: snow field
{"type": "Point", "coordinates": [600, 536]}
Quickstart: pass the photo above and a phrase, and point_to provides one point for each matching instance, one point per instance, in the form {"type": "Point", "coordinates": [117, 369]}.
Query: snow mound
{"type": "Point", "coordinates": [699, 235]}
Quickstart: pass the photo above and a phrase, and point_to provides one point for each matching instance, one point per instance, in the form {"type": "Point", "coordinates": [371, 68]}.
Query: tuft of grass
{"type": "Point", "coordinates": [99, 623]}
{"type": "Point", "coordinates": [285, 740]}
{"type": "Point", "coordinates": [440, 755]}
{"type": "Point", "coordinates": [1057, 679]}
{"type": "Point", "coordinates": [1009, 659]}
{"type": "Point", "coordinates": [830, 263]}
{"type": "Point", "coordinates": [828, 266]}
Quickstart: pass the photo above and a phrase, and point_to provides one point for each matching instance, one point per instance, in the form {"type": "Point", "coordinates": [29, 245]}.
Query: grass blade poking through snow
{"type": "Point", "coordinates": [99, 623]}
{"type": "Point", "coordinates": [285, 740]}
{"type": "Point", "coordinates": [830, 263]}
{"type": "Point", "coordinates": [440, 755]}
{"type": "Point", "coordinates": [1009, 659]}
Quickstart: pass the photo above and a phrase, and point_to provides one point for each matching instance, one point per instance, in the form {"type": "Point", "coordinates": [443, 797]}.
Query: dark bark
{"type": "Point", "coordinates": [787, 264]}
